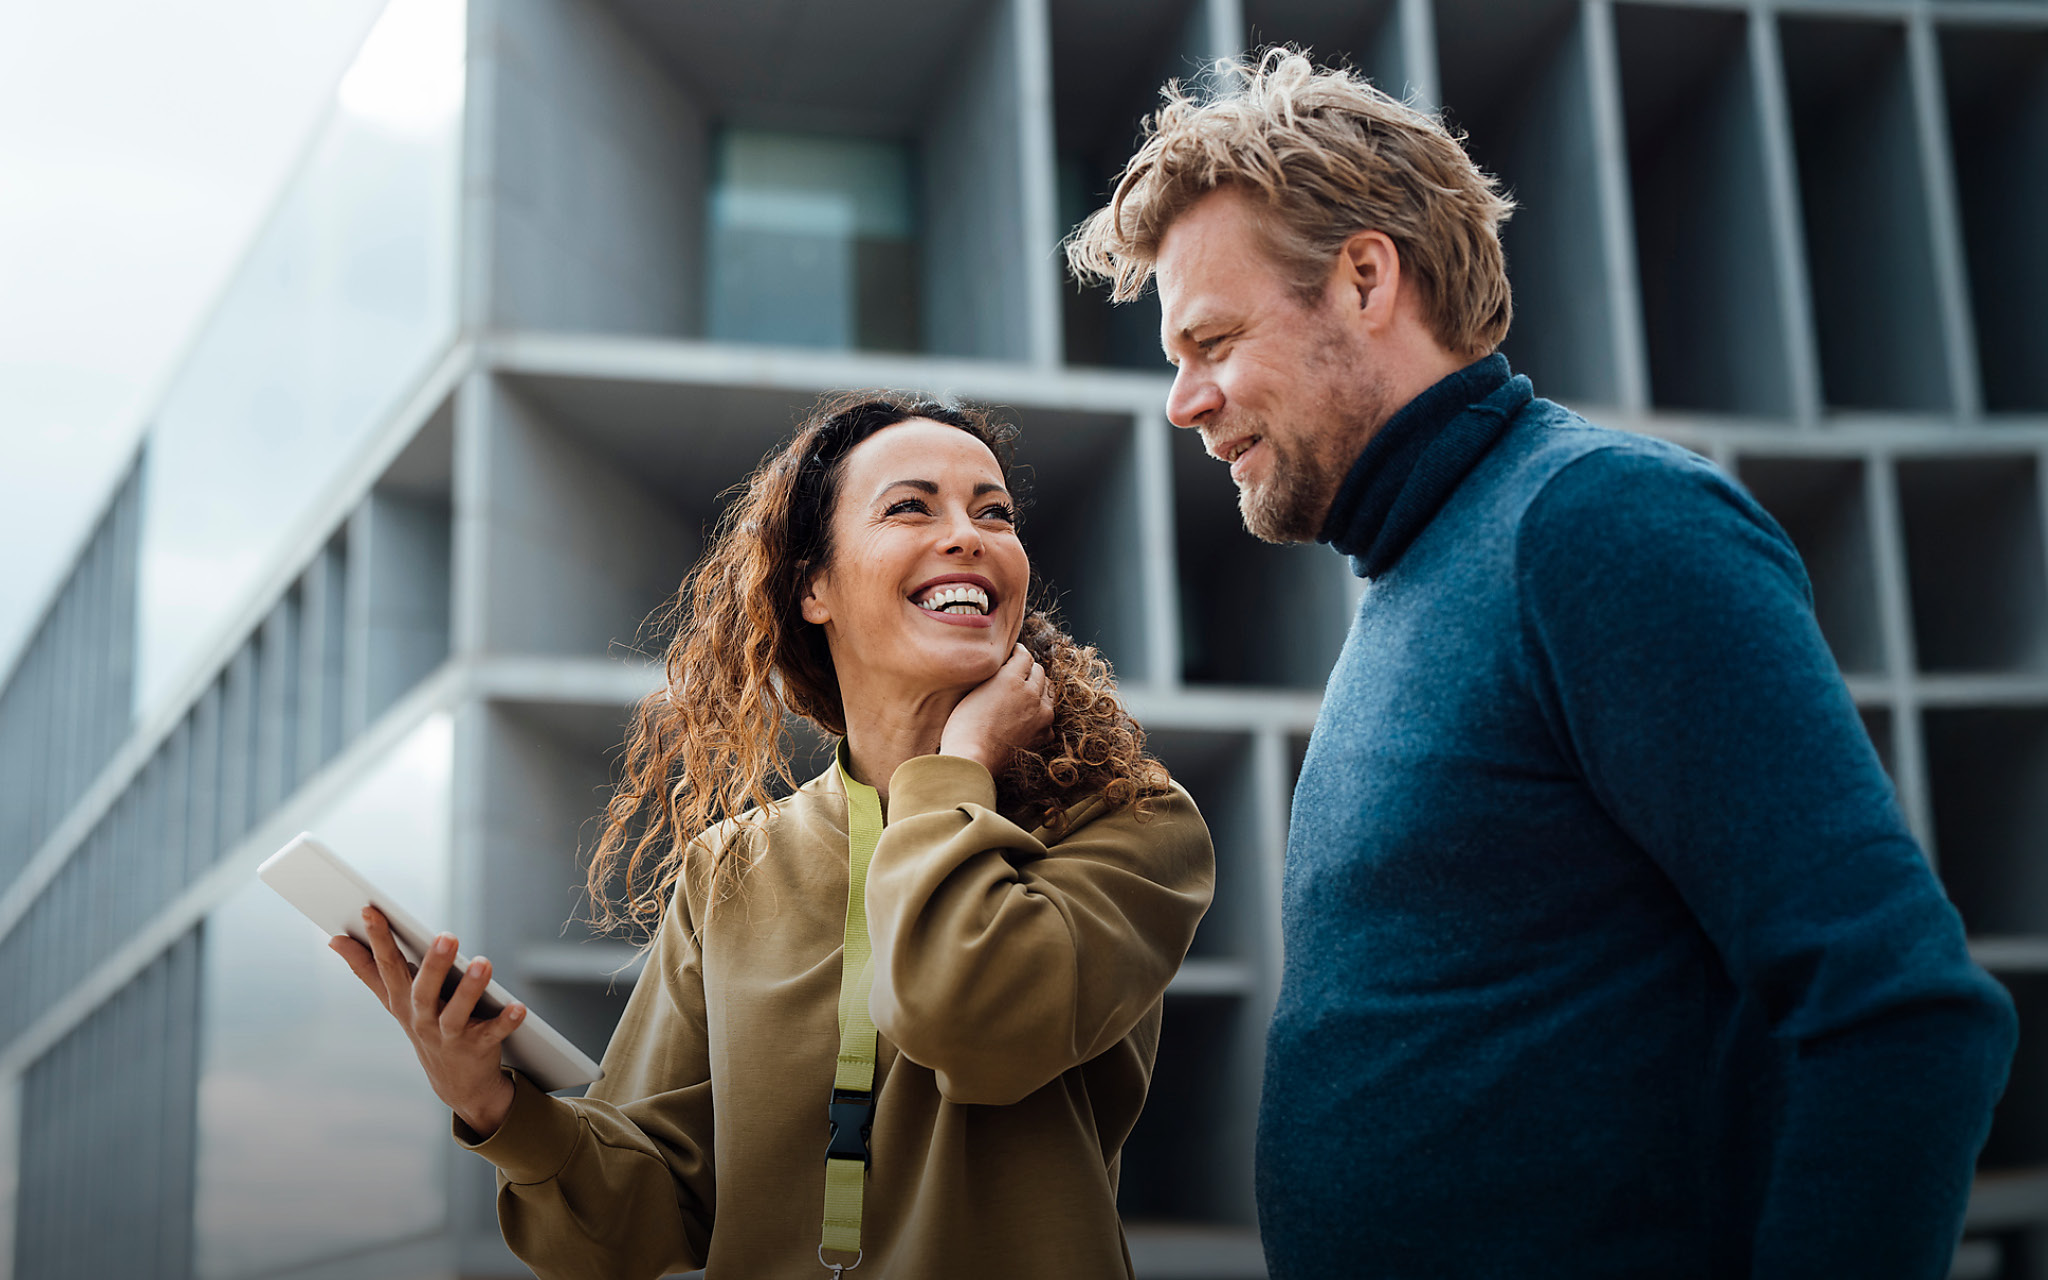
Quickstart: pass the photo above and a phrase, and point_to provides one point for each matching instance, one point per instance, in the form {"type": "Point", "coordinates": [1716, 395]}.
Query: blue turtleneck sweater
{"type": "Point", "coordinates": [1607, 951]}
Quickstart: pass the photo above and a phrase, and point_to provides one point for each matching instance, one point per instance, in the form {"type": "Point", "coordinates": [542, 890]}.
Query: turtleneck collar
{"type": "Point", "coordinates": [1410, 466]}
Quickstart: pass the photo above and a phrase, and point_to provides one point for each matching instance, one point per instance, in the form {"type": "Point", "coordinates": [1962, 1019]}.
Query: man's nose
{"type": "Point", "coordinates": [1194, 396]}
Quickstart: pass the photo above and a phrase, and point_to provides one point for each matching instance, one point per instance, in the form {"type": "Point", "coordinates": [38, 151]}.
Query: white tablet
{"type": "Point", "coordinates": [332, 894]}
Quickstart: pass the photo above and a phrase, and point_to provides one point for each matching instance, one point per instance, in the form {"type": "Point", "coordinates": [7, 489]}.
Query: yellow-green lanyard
{"type": "Point", "coordinates": [852, 1110]}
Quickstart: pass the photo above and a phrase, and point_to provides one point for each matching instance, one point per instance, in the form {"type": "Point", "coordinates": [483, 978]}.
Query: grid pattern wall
{"type": "Point", "coordinates": [227, 762]}
{"type": "Point", "coordinates": [65, 708]}
{"type": "Point", "coordinates": [362, 623]}
{"type": "Point", "coordinates": [107, 1135]}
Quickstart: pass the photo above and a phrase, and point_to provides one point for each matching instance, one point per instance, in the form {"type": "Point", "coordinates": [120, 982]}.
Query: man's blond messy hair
{"type": "Point", "coordinates": [1329, 156]}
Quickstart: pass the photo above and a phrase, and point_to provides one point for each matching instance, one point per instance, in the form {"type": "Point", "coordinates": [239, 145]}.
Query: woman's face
{"type": "Point", "coordinates": [927, 580]}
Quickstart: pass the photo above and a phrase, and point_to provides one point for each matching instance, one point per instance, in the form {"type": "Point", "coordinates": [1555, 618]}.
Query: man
{"type": "Point", "coordinates": [1607, 951]}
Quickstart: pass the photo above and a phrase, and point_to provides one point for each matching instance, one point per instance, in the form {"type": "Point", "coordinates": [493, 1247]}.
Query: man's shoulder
{"type": "Point", "coordinates": [1546, 438]}
{"type": "Point", "coordinates": [1557, 466]}
{"type": "Point", "coordinates": [1587, 496]}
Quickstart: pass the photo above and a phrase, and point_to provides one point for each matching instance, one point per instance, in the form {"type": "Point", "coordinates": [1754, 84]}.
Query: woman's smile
{"type": "Point", "coordinates": [925, 587]}
{"type": "Point", "coordinates": [958, 599]}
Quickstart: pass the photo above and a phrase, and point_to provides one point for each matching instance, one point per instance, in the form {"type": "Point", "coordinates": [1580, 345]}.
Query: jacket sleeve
{"type": "Point", "coordinates": [1001, 962]}
{"type": "Point", "coordinates": [1672, 632]}
{"type": "Point", "coordinates": [618, 1185]}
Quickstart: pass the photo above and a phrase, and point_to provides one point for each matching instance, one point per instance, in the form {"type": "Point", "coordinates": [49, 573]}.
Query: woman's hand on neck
{"type": "Point", "coordinates": [885, 728]}
{"type": "Point", "coordinates": [986, 723]}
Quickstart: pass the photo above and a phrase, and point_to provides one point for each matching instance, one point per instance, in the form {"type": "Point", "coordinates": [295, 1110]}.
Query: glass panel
{"type": "Point", "coordinates": [293, 1045]}
{"type": "Point", "coordinates": [346, 296]}
{"type": "Point", "coordinates": [812, 242]}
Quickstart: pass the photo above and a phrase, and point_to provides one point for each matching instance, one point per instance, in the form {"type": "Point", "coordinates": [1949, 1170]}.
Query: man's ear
{"type": "Point", "coordinates": [814, 609]}
{"type": "Point", "coordinates": [1369, 267]}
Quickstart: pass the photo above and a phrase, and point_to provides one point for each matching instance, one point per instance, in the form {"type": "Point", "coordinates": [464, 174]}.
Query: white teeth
{"type": "Point", "coordinates": [956, 597]}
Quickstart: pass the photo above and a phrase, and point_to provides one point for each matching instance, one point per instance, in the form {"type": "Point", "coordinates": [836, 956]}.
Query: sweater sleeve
{"type": "Point", "coordinates": [1674, 647]}
{"type": "Point", "coordinates": [618, 1185]}
{"type": "Point", "coordinates": [1000, 961]}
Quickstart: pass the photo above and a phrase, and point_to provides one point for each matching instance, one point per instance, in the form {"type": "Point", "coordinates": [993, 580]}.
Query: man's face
{"type": "Point", "coordinates": [1283, 390]}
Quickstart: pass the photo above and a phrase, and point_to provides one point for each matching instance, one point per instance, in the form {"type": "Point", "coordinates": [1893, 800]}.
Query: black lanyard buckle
{"type": "Point", "coordinates": [853, 1119]}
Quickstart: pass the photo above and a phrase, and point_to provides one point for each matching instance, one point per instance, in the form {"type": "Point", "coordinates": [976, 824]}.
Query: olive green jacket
{"type": "Point", "coordinates": [1018, 991]}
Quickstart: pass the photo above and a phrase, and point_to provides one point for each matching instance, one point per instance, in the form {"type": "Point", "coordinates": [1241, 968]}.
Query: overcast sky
{"type": "Point", "coordinates": [141, 144]}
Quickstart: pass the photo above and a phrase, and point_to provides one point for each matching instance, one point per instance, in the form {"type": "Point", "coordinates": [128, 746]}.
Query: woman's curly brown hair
{"type": "Point", "coordinates": [713, 743]}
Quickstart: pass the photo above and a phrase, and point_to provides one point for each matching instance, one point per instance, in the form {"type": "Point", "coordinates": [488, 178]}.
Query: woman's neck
{"type": "Point", "coordinates": [883, 732]}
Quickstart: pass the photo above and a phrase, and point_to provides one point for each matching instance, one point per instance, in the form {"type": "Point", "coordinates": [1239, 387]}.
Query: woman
{"type": "Point", "coordinates": [1035, 886]}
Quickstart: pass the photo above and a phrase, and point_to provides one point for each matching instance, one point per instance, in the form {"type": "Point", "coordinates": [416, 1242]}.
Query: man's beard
{"type": "Point", "coordinates": [1292, 504]}
{"type": "Point", "coordinates": [1307, 470]}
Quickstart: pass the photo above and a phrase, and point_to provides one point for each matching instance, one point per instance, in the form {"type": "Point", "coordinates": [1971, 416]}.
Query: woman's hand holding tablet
{"type": "Point", "coordinates": [462, 1025]}
{"type": "Point", "coordinates": [458, 1049]}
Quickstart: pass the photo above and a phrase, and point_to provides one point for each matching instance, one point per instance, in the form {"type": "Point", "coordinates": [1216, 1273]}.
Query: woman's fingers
{"type": "Point", "coordinates": [494, 1031]}
{"type": "Point", "coordinates": [392, 969]}
{"type": "Point", "coordinates": [461, 1006]}
{"type": "Point", "coordinates": [360, 962]}
{"type": "Point", "coordinates": [432, 979]}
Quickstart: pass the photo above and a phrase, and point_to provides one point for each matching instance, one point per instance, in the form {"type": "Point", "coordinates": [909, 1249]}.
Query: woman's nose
{"type": "Point", "coordinates": [962, 537]}
{"type": "Point", "coordinates": [1193, 397]}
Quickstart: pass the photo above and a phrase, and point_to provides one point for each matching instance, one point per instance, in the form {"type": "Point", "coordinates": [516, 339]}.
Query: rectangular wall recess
{"type": "Point", "coordinates": [1997, 89]}
{"type": "Point", "coordinates": [2019, 1127]}
{"type": "Point", "coordinates": [1869, 250]}
{"type": "Point", "coordinates": [602, 494]}
{"type": "Point", "coordinates": [1714, 328]}
{"type": "Point", "coordinates": [1974, 560]}
{"type": "Point", "coordinates": [1517, 80]}
{"type": "Point", "coordinates": [1177, 1172]}
{"type": "Point", "coordinates": [1988, 772]}
{"type": "Point", "coordinates": [1078, 475]}
{"type": "Point", "coordinates": [1217, 770]}
{"type": "Point", "coordinates": [1108, 64]}
{"type": "Point", "coordinates": [1820, 503]}
{"type": "Point", "coordinates": [665, 169]}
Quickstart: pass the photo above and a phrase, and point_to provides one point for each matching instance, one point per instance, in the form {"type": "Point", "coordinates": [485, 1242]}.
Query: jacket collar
{"type": "Point", "coordinates": [1412, 464]}
{"type": "Point", "coordinates": [1078, 814]}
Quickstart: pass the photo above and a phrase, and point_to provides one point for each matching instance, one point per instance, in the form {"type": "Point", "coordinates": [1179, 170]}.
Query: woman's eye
{"type": "Point", "coordinates": [909, 506]}
{"type": "Point", "coordinates": [999, 512]}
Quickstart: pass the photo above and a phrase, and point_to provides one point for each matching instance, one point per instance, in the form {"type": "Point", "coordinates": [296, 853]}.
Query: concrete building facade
{"type": "Point", "coordinates": [556, 273]}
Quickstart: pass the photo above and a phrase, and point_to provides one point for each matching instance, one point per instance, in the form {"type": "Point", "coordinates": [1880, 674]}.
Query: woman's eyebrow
{"type": "Point", "coordinates": [932, 488]}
